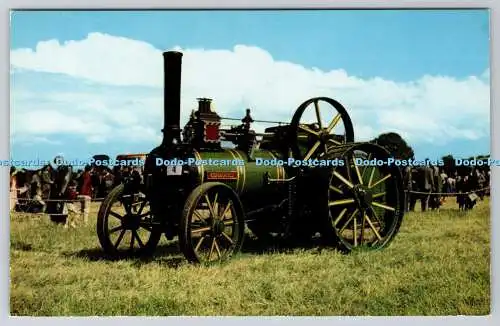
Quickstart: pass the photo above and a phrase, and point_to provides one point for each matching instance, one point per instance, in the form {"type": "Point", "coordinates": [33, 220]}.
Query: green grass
{"type": "Point", "coordinates": [439, 264]}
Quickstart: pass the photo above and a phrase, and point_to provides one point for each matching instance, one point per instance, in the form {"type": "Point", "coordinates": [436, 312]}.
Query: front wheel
{"type": "Point", "coordinates": [212, 224]}
{"type": "Point", "coordinates": [125, 226]}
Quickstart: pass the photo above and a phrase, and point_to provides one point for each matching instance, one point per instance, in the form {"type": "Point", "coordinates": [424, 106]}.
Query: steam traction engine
{"type": "Point", "coordinates": [208, 206]}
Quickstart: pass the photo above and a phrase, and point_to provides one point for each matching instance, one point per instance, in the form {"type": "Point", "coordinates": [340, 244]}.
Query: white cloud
{"type": "Point", "coordinates": [431, 109]}
{"type": "Point", "coordinates": [29, 141]}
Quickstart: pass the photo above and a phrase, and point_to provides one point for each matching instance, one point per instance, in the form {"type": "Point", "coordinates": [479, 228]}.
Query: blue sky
{"type": "Point", "coordinates": [427, 58]}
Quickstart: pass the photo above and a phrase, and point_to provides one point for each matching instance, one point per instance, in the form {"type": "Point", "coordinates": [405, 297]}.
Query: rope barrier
{"type": "Point", "coordinates": [101, 199]}
{"type": "Point", "coordinates": [58, 200]}
{"type": "Point", "coordinates": [447, 193]}
{"type": "Point", "coordinates": [41, 213]}
{"type": "Point", "coordinates": [450, 194]}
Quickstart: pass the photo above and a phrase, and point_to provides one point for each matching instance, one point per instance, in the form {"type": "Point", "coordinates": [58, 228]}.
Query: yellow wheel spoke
{"type": "Point", "coordinates": [380, 181]}
{"type": "Point", "coordinates": [215, 205]}
{"type": "Point", "coordinates": [357, 171]}
{"type": "Point", "coordinates": [228, 223]}
{"type": "Point", "coordinates": [337, 220]}
{"type": "Point", "coordinates": [366, 167]}
{"type": "Point", "coordinates": [389, 208]}
{"type": "Point", "coordinates": [199, 243]}
{"type": "Point", "coordinates": [198, 216]}
{"type": "Point", "coordinates": [226, 210]}
{"type": "Point", "coordinates": [349, 220]}
{"type": "Point", "coordinates": [217, 248]}
{"type": "Point", "coordinates": [227, 237]}
{"type": "Point", "coordinates": [376, 216]}
{"type": "Point", "coordinates": [334, 123]}
{"type": "Point", "coordinates": [210, 206]}
{"type": "Point", "coordinates": [344, 180]}
{"type": "Point", "coordinates": [355, 233]}
{"type": "Point", "coordinates": [377, 195]}
{"type": "Point", "coordinates": [312, 150]}
{"type": "Point", "coordinates": [341, 202]}
{"type": "Point", "coordinates": [371, 177]}
{"type": "Point", "coordinates": [207, 228]}
{"type": "Point", "coordinates": [362, 235]}
{"type": "Point", "coordinates": [335, 142]}
{"type": "Point", "coordinates": [309, 130]}
{"type": "Point", "coordinates": [373, 227]}
{"type": "Point", "coordinates": [211, 250]}
{"type": "Point", "coordinates": [318, 116]}
{"type": "Point", "coordinates": [336, 190]}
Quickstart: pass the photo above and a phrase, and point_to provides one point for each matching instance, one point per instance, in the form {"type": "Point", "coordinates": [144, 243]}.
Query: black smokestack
{"type": "Point", "coordinates": [204, 105]}
{"type": "Point", "coordinates": [172, 63]}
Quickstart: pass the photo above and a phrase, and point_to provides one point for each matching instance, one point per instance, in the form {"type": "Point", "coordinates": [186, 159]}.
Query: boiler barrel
{"type": "Point", "coordinates": [247, 179]}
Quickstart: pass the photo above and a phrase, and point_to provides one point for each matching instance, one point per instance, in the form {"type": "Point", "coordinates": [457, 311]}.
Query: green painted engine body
{"type": "Point", "coordinates": [246, 179]}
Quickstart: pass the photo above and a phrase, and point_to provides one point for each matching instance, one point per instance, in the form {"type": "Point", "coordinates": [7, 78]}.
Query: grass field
{"type": "Point", "coordinates": [439, 264]}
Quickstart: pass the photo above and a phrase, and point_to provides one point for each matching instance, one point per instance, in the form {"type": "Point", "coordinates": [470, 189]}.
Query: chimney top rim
{"type": "Point", "coordinates": [172, 53]}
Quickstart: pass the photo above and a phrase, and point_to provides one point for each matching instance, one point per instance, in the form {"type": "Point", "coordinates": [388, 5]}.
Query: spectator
{"type": "Point", "coordinates": [85, 193]}
{"type": "Point", "coordinates": [38, 204]}
{"type": "Point", "coordinates": [47, 181]}
{"type": "Point", "coordinates": [71, 196]}
{"type": "Point", "coordinates": [13, 188]}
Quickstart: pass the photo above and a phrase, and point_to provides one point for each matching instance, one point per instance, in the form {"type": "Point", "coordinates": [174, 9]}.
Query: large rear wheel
{"type": "Point", "coordinates": [365, 198]}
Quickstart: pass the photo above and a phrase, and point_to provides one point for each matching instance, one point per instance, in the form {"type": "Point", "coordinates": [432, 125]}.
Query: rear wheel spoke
{"type": "Point", "coordinates": [344, 180]}
{"type": "Point", "coordinates": [349, 220]}
{"type": "Point", "coordinates": [339, 217]}
{"type": "Point", "coordinates": [361, 236]}
{"type": "Point", "coordinates": [380, 181]}
{"type": "Point", "coordinates": [373, 227]}
{"type": "Point", "coordinates": [389, 208]}
{"type": "Point", "coordinates": [341, 202]}
{"type": "Point", "coordinates": [358, 173]}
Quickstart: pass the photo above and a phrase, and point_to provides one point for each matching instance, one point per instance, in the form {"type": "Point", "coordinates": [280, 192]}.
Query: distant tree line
{"type": "Point", "coordinates": [396, 145]}
{"type": "Point", "coordinates": [400, 149]}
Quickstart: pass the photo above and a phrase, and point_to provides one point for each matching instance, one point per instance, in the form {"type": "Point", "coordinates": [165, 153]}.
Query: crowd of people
{"type": "Point", "coordinates": [58, 191]}
{"type": "Point", "coordinates": [434, 185]}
